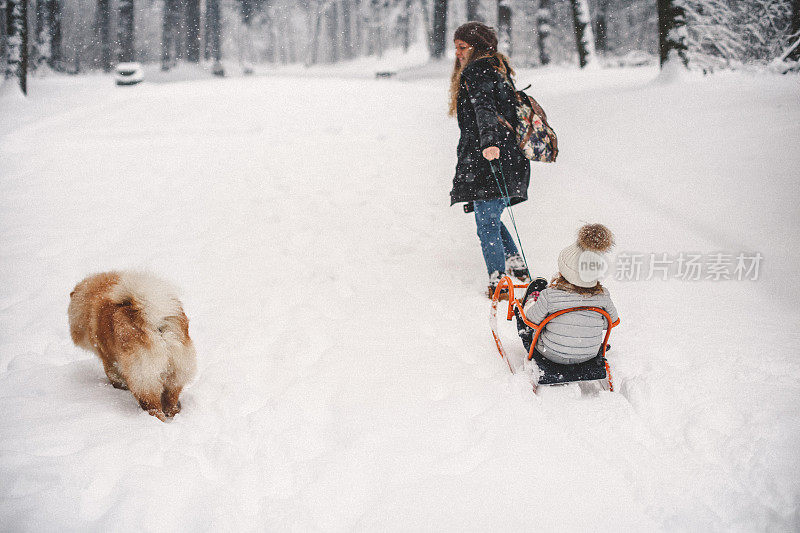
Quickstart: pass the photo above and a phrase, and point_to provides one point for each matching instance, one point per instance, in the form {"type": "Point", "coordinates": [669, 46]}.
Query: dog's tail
{"type": "Point", "coordinates": [155, 307]}
{"type": "Point", "coordinates": [152, 300]}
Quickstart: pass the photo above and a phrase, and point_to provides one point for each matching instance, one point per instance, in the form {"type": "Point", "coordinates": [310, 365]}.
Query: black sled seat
{"type": "Point", "coordinates": [551, 373]}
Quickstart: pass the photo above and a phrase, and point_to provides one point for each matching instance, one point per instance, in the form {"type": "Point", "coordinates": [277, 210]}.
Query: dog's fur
{"type": "Point", "coordinates": [135, 324]}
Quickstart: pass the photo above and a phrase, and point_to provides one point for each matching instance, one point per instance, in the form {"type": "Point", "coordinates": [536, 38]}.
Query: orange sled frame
{"type": "Point", "coordinates": [513, 303]}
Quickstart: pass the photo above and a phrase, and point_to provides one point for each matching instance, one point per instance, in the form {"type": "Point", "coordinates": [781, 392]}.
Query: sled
{"type": "Point", "coordinates": [549, 373]}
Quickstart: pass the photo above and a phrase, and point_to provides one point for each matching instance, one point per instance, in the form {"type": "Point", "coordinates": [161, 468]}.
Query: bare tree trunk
{"type": "Point", "coordinates": [213, 32]}
{"type": "Point", "coordinates": [426, 21]}
{"type": "Point", "coordinates": [332, 19]}
{"type": "Point", "coordinates": [39, 37]}
{"type": "Point", "coordinates": [543, 18]}
{"type": "Point", "coordinates": [672, 33]}
{"type": "Point", "coordinates": [472, 10]}
{"type": "Point", "coordinates": [17, 36]}
{"type": "Point", "coordinates": [169, 30]}
{"type": "Point", "coordinates": [207, 31]}
{"type": "Point", "coordinates": [193, 31]}
{"type": "Point", "coordinates": [181, 29]}
{"type": "Point", "coordinates": [347, 30]}
{"type": "Point", "coordinates": [375, 37]}
{"type": "Point", "coordinates": [246, 42]}
{"type": "Point", "coordinates": [358, 31]}
{"type": "Point", "coordinates": [41, 42]}
{"type": "Point", "coordinates": [278, 28]}
{"type": "Point", "coordinates": [104, 27]}
{"type": "Point", "coordinates": [23, 76]}
{"type": "Point", "coordinates": [602, 26]}
{"type": "Point", "coordinates": [583, 32]}
{"type": "Point", "coordinates": [379, 19]}
{"type": "Point", "coordinates": [405, 24]}
{"type": "Point", "coordinates": [439, 28]}
{"type": "Point", "coordinates": [166, 35]}
{"type": "Point", "coordinates": [127, 36]}
{"type": "Point", "coordinates": [271, 51]}
{"type": "Point", "coordinates": [5, 32]}
{"type": "Point", "coordinates": [312, 59]}
{"type": "Point", "coordinates": [504, 44]}
{"type": "Point", "coordinates": [290, 45]}
{"type": "Point", "coordinates": [54, 34]}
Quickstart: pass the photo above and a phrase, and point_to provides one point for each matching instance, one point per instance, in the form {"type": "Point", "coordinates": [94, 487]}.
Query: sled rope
{"type": "Point", "coordinates": [504, 191]}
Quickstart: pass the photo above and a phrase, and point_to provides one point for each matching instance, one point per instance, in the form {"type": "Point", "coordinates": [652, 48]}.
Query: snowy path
{"type": "Point", "coordinates": [347, 377]}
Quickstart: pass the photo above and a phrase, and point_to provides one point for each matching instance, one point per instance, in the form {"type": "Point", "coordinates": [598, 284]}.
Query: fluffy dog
{"type": "Point", "coordinates": [135, 324]}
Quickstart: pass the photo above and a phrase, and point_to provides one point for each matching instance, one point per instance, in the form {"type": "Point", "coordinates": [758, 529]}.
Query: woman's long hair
{"type": "Point", "coordinates": [504, 68]}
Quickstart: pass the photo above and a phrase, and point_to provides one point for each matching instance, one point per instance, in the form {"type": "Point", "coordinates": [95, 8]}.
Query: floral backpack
{"type": "Point", "coordinates": [535, 138]}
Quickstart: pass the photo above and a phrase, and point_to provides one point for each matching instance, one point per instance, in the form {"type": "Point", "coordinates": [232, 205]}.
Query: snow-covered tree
{"type": "Point", "coordinates": [41, 48]}
{"type": "Point", "coordinates": [543, 25]}
{"type": "Point", "coordinates": [373, 22]}
{"type": "Point", "coordinates": [601, 23]}
{"type": "Point", "coordinates": [712, 30]}
{"type": "Point", "coordinates": [17, 42]}
{"type": "Point", "coordinates": [672, 32]}
{"type": "Point", "coordinates": [583, 32]}
{"type": "Point", "coordinates": [794, 32]}
{"type": "Point", "coordinates": [717, 32]}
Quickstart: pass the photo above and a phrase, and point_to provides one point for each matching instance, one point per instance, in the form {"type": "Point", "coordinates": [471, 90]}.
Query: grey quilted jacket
{"type": "Point", "coordinates": [572, 337]}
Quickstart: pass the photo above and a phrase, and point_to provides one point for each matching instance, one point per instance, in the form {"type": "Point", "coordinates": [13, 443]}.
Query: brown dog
{"type": "Point", "coordinates": [135, 324]}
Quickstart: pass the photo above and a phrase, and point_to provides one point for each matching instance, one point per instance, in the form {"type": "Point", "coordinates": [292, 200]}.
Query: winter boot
{"type": "Point", "coordinates": [534, 288]}
{"type": "Point", "coordinates": [515, 267]}
{"type": "Point", "coordinates": [494, 281]}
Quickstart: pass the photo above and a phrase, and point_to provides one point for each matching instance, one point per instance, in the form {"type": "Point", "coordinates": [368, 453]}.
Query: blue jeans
{"type": "Point", "coordinates": [496, 241]}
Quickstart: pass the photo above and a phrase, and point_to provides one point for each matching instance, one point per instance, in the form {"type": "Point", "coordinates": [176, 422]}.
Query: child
{"type": "Point", "coordinates": [574, 337]}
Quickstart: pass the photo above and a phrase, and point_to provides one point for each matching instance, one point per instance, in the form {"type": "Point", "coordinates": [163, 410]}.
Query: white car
{"type": "Point", "coordinates": [128, 73]}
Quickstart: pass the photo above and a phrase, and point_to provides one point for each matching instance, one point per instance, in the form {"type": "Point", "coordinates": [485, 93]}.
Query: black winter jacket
{"type": "Point", "coordinates": [482, 96]}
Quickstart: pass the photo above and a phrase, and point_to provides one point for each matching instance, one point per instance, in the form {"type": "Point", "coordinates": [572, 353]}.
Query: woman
{"type": "Point", "coordinates": [479, 94]}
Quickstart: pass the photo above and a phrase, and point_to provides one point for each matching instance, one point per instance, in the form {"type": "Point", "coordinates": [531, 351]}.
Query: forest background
{"type": "Point", "coordinates": [77, 36]}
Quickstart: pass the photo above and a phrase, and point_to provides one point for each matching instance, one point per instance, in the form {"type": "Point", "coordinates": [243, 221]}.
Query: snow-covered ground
{"type": "Point", "coordinates": [347, 376]}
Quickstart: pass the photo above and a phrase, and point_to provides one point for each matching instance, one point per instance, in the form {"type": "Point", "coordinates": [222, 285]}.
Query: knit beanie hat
{"type": "Point", "coordinates": [583, 263]}
{"type": "Point", "coordinates": [478, 35]}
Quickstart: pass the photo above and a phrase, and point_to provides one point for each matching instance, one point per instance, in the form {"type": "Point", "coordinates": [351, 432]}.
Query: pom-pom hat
{"type": "Point", "coordinates": [582, 263]}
